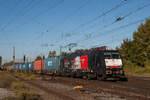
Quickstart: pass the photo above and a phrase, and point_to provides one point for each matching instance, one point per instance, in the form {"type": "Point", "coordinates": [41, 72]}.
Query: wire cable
{"type": "Point", "coordinates": [15, 17]}
{"type": "Point", "coordinates": [103, 14]}
{"type": "Point", "coordinates": [70, 15]}
{"type": "Point", "coordinates": [115, 29]}
{"type": "Point", "coordinates": [122, 18]}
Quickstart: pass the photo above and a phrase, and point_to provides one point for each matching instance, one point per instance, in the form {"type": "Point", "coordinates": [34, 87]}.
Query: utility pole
{"type": "Point", "coordinates": [60, 49]}
{"type": "Point", "coordinates": [14, 54]}
{"type": "Point", "coordinates": [24, 58]}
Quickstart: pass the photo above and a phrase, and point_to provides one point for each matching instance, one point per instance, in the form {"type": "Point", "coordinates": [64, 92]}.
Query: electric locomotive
{"type": "Point", "coordinates": [100, 64]}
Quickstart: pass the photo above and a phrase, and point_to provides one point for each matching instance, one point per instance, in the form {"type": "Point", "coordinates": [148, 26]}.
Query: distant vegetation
{"type": "Point", "coordinates": [38, 58]}
{"type": "Point", "coordinates": [21, 91]}
{"type": "Point", "coordinates": [136, 52]}
{"type": "Point", "coordinates": [9, 63]}
{"type": "Point", "coordinates": [0, 60]}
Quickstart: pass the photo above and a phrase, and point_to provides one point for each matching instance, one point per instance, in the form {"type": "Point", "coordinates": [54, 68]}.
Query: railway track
{"type": "Point", "coordinates": [61, 88]}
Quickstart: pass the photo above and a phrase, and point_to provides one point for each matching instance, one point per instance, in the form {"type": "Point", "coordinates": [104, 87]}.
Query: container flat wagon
{"type": "Point", "coordinates": [39, 66]}
{"type": "Point", "coordinates": [52, 65]}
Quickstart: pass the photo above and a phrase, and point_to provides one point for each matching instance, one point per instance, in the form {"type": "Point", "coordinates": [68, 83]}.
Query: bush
{"type": "Point", "coordinates": [24, 93]}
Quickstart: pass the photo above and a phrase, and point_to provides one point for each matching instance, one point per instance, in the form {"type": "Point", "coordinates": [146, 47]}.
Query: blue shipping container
{"type": "Point", "coordinates": [25, 66]}
{"type": "Point", "coordinates": [20, 66]}
{"type": "Point", "coordinates": [52, 64]}
{"type": "Point", "coordinates": [31, 66]}
{"type": "Point", "coordinates": [17, 67]}
{"type": "Point", "coordinates": [12, 67]}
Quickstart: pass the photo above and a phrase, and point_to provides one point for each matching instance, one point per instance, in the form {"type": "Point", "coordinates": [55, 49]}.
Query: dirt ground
{"type": "Point", "coordinates": [62, 88]}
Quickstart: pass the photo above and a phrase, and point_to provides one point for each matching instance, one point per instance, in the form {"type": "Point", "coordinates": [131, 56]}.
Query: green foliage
{"type": "Point", "coordinates": [64, 54]}
{"type": "Point", "coordinates": [80, 50]}
{"type": "Point", "coordinates": [38, 58]}
{"type": "Point", "coordinates": [24, 93]}
{"type": "Point", "coordinates": [9, 63]}
{"type": "Point", "coordinates": [137, 51]}
{"type": "Point", "coordinates": [21, 90]}
{"type": "Point", "coordinates": [0, 60]}
{"type": "Point", "coordinates": [52, 54]}
{"type": "Point", "coordinates": [25, 75]}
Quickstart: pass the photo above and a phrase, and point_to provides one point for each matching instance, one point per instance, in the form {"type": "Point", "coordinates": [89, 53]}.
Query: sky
{"type": "Point", "coordinates": [35, 27]}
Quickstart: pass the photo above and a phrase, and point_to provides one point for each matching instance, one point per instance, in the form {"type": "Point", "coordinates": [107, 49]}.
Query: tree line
{"type": "Point", "coordinates": [137, 50]}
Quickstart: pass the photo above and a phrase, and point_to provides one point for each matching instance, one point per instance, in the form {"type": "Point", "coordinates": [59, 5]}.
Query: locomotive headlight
{"type": "Point", "coordinates": [108, 72]}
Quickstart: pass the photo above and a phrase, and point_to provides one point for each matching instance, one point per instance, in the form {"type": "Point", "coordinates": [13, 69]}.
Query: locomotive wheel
{"type": "Point", "coordinates": [85, 77]}
{"type": "Point", "coordinates": [101, 78]}
{"type": "Point", "coordinates": [123, 79]}
{"type": "Point", "coordinates": [72, 75]}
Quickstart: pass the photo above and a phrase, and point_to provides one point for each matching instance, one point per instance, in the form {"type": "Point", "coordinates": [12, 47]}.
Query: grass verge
{"type": "Point", "coordinates": [131, 70]}
{"type": "Point", "coordinates": [20, 90]}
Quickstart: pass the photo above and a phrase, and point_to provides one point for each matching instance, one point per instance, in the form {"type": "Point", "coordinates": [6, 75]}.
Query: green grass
{"type": "Point", "coordinates": [25, 75]}
{"type": "Point", "coordinates": [131, 70]}
{"type": "Point", "coordinates": [22, 92]}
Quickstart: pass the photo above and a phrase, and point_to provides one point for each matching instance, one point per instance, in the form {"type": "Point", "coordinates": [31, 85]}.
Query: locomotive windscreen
{"type": "Point", "coordinates": [112, 55]}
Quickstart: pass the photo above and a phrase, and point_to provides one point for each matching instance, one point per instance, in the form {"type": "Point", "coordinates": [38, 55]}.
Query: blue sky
{"type": "Point", "coordinates": [29, 24]}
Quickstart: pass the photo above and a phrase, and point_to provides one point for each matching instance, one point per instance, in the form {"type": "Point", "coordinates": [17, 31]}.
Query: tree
{"type": "Point", "coordinates": [52, 54]}
{"type": "Point", "coordinates": [9, 63]}
{"type": "Point", "coordinates": [137, 50]}
{"type": "Point", "coordinates": [64, 54]}
{"type": "Point", "coordinates": [38, 58]}
{"type": "Point", "coordinates": [0, 60]}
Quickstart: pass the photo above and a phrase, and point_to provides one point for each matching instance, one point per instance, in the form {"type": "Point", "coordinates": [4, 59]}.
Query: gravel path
{"type": "Point", "coordinates": [5, 93]}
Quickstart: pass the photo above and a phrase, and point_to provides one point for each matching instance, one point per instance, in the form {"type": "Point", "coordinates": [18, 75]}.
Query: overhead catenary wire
{"type": "Point", "coordinates": [101, 15]}
{"type": "Point", "coordinates": [114, 29]}
{"type": "Point", "coordinates": [15, 17]}
{"type": "Point", "coordinates": [41, 13]}
{"type": "Point", "coordinates": [127, 15]}
{"type": "Point", "coordinates": [12, 11]}
{"type": "Point", "coordinates": [31, 7]}
{"type": "Point", "coordinates": [48, 9]}
{"type": "Point", "coordinates": [70, 15]}
{"type": "Point", "coordinates": [121, 18]}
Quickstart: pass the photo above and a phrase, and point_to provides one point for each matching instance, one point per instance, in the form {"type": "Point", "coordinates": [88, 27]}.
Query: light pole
{"type": "Point", "coordinates": [14, 54]}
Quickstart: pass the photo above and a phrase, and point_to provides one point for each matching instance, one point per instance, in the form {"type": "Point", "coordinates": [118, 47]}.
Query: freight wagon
{"type": "Point", "coordinates": [52, 65]}
{"type": "Point", "coordinates": [8, 68]}
{"type": "Point", "coordinates": [39, 66]}
{"type": "Point", "coordinates": [94, 63]}
{"type": "Point", "coordinates": [1, 68]}
{"type": "Point", "coordinates": [25, 67]}
{"type": "Point", "coordinates": [31, 66]}
{"type": "Point", "coordinates": [100, 64]}
{"type": "Point", "coordinates": [17, 67]}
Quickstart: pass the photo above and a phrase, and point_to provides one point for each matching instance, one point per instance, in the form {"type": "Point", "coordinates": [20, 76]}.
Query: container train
{"type": "Point", "coordinates": [99, 64]}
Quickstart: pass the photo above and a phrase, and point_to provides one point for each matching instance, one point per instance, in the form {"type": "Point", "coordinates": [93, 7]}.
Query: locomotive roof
{"type": "Point", "coordinates": [88, 52]}
{"type": "Point", "coordinates": [104, 51]}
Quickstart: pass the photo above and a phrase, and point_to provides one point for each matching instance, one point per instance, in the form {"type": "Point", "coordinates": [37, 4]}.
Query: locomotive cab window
{"type": "Point", "coordinates": [111, 55]}
{"type": "Point", "coordinates": [115, 55]}
{"type": "Point", "coordinates": [107, 55]}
